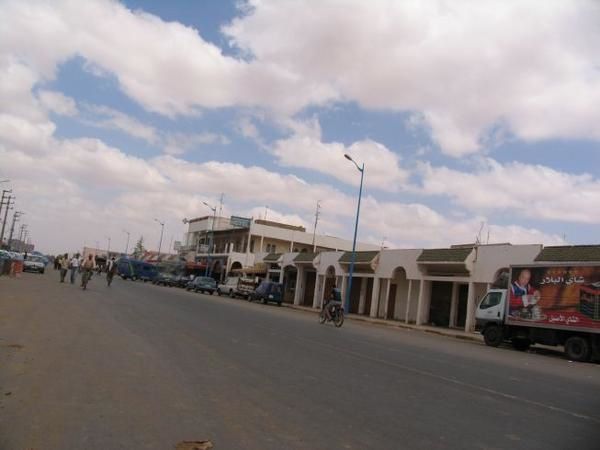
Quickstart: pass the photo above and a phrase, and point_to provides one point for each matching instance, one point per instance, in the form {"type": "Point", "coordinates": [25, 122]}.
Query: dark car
{"type": "Point", "coordinates": [202, 284]}
{"type": "Point", "coordinates": [181, 281]}
{"type": "Point", "coordinates": [164, 279]}
{"type": "Point", "coordinates": [268, 291]}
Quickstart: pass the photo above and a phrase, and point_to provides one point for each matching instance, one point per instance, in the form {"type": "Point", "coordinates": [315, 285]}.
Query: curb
{"type": "Point", "coordinates": [386, 323]}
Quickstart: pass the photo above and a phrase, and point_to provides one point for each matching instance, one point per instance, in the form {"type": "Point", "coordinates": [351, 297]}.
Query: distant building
{"type": "Point", "coordinates": [236, 243]}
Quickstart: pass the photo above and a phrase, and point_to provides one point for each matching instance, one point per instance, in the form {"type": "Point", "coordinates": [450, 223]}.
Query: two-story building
{"type": "Point", "coordinates": [228, 244]}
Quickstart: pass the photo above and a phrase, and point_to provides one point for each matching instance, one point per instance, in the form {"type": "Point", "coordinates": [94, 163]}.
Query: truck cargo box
{"type": "Point", "coordinates": [555, 296]}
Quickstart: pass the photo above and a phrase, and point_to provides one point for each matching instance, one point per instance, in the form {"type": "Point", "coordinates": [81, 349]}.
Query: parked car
{"type": "Point", "coordinates": [165, 279]}
{"type": "Point", "coordinates": [34, 264]}
{"type": "Point", "coordinates": [268, 291]}
{"type": "Point", "coordinates": [203, 284]}
{"type": "Point", "coordinates": [181, 280]}
{"type": "Point", "coordinates": [245, 287]}
{"type": "Point", "coordinates": [228, 287]}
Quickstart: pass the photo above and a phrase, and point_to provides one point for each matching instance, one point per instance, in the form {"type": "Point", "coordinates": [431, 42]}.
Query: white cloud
{"type": "Point", "coordinates": [465, 66]}
{"type": "Point", "coordinates": [306, 150]}
{"type": "Point", "coordinates": [58, 103]}
{"type": "Point", "coordinates": [78, 190]}
{"type": "Point", "coordinates": [112, 119]}
{"type": "Point", "coordinates": [533, 191]}
{"type": "Point", "coordinates": [179, 143]}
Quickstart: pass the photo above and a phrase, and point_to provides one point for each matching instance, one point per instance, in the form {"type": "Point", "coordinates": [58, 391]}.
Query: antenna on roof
{"type": "Point", "coordinates": [317, 214]}
{"type": "Point", "coordinates": [266, 211]}
{"type": "Point", "coordinates": [478, 238]}
{"type": "Point", "coordinates": [221, 204]}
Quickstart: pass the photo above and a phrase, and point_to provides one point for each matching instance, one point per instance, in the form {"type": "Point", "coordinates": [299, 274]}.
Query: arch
{"type": "Point", "coordinates": [397, 301]}
{"type": "Point", "coordinates": [330, 272]}
{"type": "Point", "coordinates": [236, 265]}
{"type": "Point", "coordinates": [290, 282]}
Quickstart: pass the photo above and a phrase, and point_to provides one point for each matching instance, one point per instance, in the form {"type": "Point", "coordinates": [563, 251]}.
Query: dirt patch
{"type": "Point", "coordinates": [17, 346]}
{"type": "Point", "coordinates": [194, 445]}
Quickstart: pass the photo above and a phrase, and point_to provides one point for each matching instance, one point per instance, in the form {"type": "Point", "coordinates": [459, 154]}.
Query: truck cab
{"type": "Point", "coordinates": [491, 308]}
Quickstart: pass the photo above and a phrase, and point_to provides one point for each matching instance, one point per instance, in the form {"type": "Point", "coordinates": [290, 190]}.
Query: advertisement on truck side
{"type": "Point", "coordinates": [565, 296]}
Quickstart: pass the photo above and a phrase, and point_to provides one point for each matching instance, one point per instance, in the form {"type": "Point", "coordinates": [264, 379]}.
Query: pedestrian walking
{"type": "Point", "coordinates": [74, 267]}
{"type": "Point", "coordinates": [64, 266]}
{"type": "Point", "coordinates": [111, 269]}
{"type": "Point", "coordinates": [87, 268]}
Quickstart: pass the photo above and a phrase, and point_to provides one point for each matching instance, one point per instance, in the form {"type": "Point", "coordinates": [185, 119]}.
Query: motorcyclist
{"type": "Point", "coordinates": [333, 301]}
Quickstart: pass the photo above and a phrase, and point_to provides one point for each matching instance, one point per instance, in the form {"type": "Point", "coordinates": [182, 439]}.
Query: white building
{"type": "Point", "coordinates": [438, 287]}
{"type": "Point", "coordinates": [238, 243]}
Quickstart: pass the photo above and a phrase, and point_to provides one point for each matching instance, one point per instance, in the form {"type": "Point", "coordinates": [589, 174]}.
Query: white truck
{"type": "Point", "coordinates": [545, 304]}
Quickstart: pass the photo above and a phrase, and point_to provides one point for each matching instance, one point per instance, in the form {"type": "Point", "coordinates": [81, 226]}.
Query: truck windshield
{"type": "Point", "coordinates": [491, 299]}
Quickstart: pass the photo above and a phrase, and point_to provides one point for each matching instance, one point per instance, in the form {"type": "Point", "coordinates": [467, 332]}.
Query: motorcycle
{"type": "Point", "coordinates": [336, 315]}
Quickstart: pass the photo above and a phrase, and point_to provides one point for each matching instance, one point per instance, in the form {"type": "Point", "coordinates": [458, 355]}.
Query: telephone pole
{"type": "Point", "coordinates": [4, 195]}
{"type": "Point", "coordinates": [8, 205]}
{"type": "Point", "coordinates": [16, 216]}
{"type": "Point", "coordinates": [317, 214]}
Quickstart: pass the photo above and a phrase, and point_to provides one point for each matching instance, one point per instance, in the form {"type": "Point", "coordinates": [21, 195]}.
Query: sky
{"type": "Point", "coordinates": [474, 120]}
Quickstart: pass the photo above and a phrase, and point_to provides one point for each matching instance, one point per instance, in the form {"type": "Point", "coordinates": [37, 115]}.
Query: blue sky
{"type": "Point", "coordinates": [134, 109]}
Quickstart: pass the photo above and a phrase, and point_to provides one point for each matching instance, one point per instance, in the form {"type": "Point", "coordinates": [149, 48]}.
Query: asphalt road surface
{"type": "Point", "coordinates": [137, 366]}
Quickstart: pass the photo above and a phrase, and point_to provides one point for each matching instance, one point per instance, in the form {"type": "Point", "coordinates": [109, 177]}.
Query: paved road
{"type": "Point", "coordinates": [138, 366]}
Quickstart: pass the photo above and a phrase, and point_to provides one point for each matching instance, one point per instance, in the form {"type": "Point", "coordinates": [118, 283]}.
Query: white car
{"type": "Point", "coordinates": [34, 264]}
{"type": "Point", "coordinates": [228, 287]}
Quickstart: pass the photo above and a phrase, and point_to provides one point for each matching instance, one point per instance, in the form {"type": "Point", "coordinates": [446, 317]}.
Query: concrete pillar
{"type": "Point", "coordinates": [316, 296]}
{"type": "Point", "coordinates": [299, 284]}
{"type": "Point", "coordinates": [454, 305]}
{"type": "Point", "coordinates": [375, 297]}
{"type": "Point", "coordinates": [408, 297]}
{"type": "Point", "coordinates": [470, 320]}
{"type": "Point", "coordinates": [363, 295]}
{"type": "Point", "coordinates": [388, 286]}
{"type": "Point", "coordinates": [423, 303]}
{"type": "Point", "coordinates": [262, 238]}
{"type": "Point", "coordinates": [344, 288]}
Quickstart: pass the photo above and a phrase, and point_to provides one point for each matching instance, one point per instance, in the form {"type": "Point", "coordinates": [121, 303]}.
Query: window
{"type": "Point", "coordinates": [491, 299]}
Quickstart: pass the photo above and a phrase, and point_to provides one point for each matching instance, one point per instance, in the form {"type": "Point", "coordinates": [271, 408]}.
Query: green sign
{"type": "Point", "coordinates": [240, 222]}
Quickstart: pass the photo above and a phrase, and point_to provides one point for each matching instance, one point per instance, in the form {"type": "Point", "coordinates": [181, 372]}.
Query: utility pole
{"type": "Point", "coordinates": [162, 229]}
{"type": "Point", "coordinates": [221, 204]}
{"type": "Point", "coordinates": [8, 206]}
{"type": "Point", "coordinates": [16, 216]}
{"type": "Point", "coordinates": [317, 214]}
{"type": "Point", "coordinates": [4, 194]}
{"type": "Point", "coordinates": [127, 244]}
{"type": "Point", "coordinates": [21, 236]}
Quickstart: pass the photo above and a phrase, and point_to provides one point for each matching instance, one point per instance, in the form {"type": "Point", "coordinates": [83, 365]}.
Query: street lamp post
{"type": "Point", "coordinates": [108, 249]}
{"type": "Point", "coordinates": [212, 236]}
{"type": "Point", "coordinates": [361, 169]}
{"type": "Point", "coordinates": [127, 244]}
{"type": "Point", "coordinates": [162, 229]}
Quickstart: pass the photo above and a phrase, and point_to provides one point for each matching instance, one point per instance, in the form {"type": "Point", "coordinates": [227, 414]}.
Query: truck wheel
{"type": "Point", "coordinates": [578, 349]}
{"type": "Point", "coordinates": [493, 336]}
{"type": "Point", "coordinates": [219, 292]}
{"type": "Point", "coordinates": [521, 344]}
